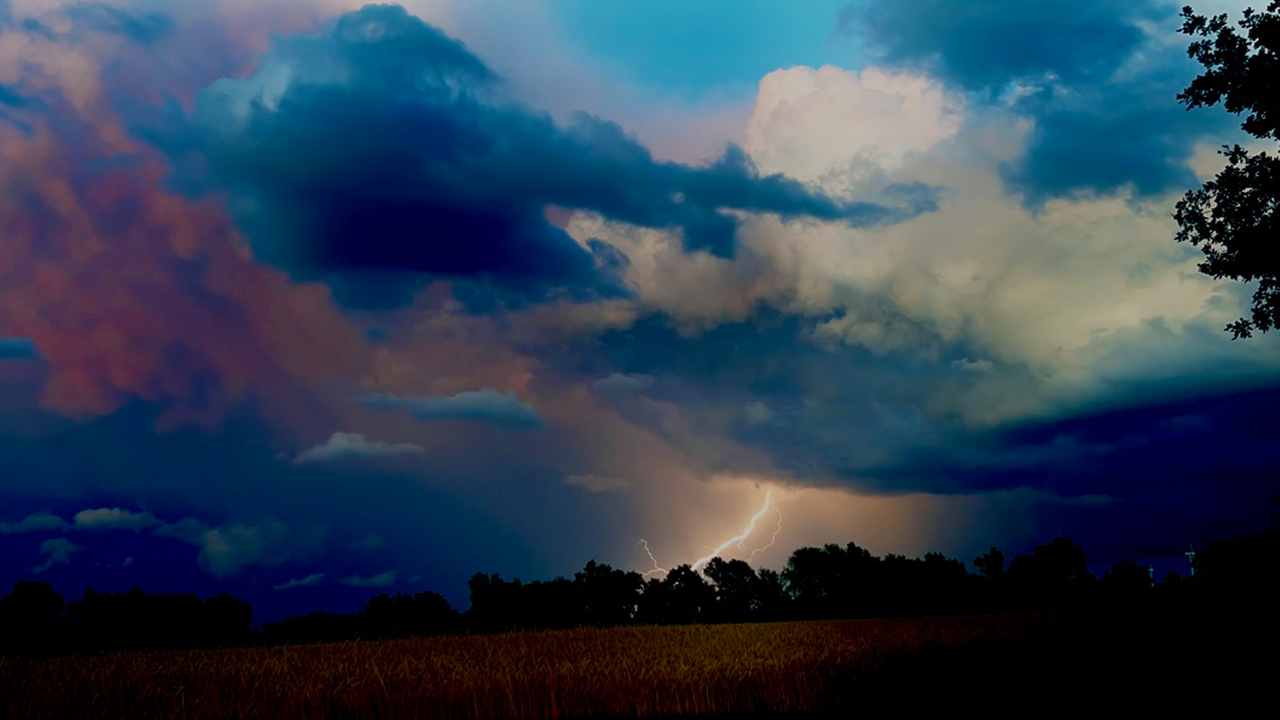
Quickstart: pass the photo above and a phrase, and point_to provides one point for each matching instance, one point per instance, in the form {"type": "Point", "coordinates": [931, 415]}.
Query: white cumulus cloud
{"type": "Point", "coordinates": [818, 124]}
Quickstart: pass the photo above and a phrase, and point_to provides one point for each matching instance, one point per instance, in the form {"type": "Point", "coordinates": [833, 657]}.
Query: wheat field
{"type": "Point", "coordinates": [779, 668]}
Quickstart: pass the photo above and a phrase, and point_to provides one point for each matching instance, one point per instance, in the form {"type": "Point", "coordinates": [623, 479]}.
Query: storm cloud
{"type": "Point", "coordinates": [144, 27]}
{"type": "Point", "coordinates": [12, 348]}
{"type": "Point", "coordinates": [1098, 80]}
{"type": "Point", "coordinates": [985, 45]}
{"type": "Point", "coordinates": [381, 150]}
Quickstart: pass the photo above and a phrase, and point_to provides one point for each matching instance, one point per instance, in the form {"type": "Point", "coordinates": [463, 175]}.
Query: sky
{"type": "Point", "coordinates": [307, 300]}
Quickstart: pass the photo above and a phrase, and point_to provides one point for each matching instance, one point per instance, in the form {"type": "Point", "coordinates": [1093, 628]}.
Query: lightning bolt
{"type": "Point", "coordinates": [656, 568]}
{"type": "Point", "coordinates": [740, 537]}
{"type": "Point", "coordinates": [772, 540]}
{"type": "Point", "coordinates": [738, 540]}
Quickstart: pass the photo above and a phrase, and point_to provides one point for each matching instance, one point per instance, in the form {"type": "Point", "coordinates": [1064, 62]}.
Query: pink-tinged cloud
{"type": "Point", "coordinates": [114, 519]}
{"type": "Point", "coordinates": [129, 290]}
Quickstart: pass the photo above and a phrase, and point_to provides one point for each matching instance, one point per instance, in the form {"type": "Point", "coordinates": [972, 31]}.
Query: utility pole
{"type": "Point", "coordinates": [1191, 557]}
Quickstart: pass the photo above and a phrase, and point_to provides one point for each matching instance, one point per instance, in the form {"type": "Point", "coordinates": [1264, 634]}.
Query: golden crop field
{"type": "Point", "coordinates": [634, 671]}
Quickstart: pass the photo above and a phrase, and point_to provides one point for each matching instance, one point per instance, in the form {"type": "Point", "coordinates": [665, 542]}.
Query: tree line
{"type": "Point", "coordinates": [829, 582]}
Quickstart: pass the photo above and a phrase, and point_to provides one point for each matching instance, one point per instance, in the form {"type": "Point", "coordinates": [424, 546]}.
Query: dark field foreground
{"type": "Point", "coordinates": [1033, 665]}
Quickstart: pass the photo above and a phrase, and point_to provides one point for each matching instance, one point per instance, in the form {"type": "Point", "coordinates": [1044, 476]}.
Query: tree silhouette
{"type": "Point", "coordinates": [401, 616]}
{"type": "Point", "coordinates": [899, 587]}
{"type": "Point", "coordinates": [493, 603]}
{"type": "Point", "coordinates": [990, 565]}
{"type": "Point", "coordinates": [1054, 575]}
{"type": "Point", "coordinates": [137, 620]}
{"type": "Point", "coordinates": [737, 589]}
{"type": "Point", "coordinates": [28, 615]}
{"type": "Point", "coordinates": [772, 599]}
{"type": "Point", "coordinates": [314, 627]}
{"type": "Point", "coordinates": [1235, 218]}
{"type": "Point", "coordinates": [31, 604]}
{"type": "Point", "coordinates": [810, 577]}
{"type": "Point", "coordinates": [944, 583]}
{"type": "Point", "coordinates": [682, 597]}
{"type": "Point", "coordinates": [831, 581]}
{"type": "Point", "coordinates": [555, 603]}
{"type": "Point", "coordinates": [689, 597]}
{"type": "Point", "coordinates": [607, 596]}
{"type": "Point", "coordinates": [1243, 570]}
{"type": "Point", "coordinates": [1127, 579]}
{"type": "Point", "coordinates": [1059, 562]}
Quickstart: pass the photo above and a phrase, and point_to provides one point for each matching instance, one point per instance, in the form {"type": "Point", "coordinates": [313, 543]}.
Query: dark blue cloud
{"type": "Point", "coordinates": [824, 405]}
{"type": "Point", "coordinates": [238, 477]}
{"type": "Point", "coordinates": [1200, 467]}
{"type": "Point", "coordinates": [141, 27]}
{"type": "Point", "coordinates": [379, 151]}
{"type": "Point", "coordinates": [1153, 466]}
{"type": "Point", "coordinates": [1102, 93]}
{"type": "Point", "coordinates": [845, 417]}
{"type": "Point", "coordinates": [984, 45]}
{"type": "Point", "coordinates": [1213, 446]}
{"type": "Point", "coordinates": [1104, 137]}
{"type": "Point", "coordinates": [17, 348]}
{"type": "Point", "coordinates": [485, 405]}
{"type": "Point", "coordinates": [11, 97]}
{"type": "Point", "coordinates": [13, 101]}
{"type": "Point", "coordinates": [32, 26]}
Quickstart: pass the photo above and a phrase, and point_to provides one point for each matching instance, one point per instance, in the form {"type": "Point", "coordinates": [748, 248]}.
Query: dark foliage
{"type": "Point", "coordinates": [399, 615]}
{"type": "Point", "coordinates": [315, 627]}
{"type": "Point", "coordinates": [1235, 218]}
{"type": "Point", "coordinates": [827, 583]}
{"type": "Point", "coordinates": [1245, 569]}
